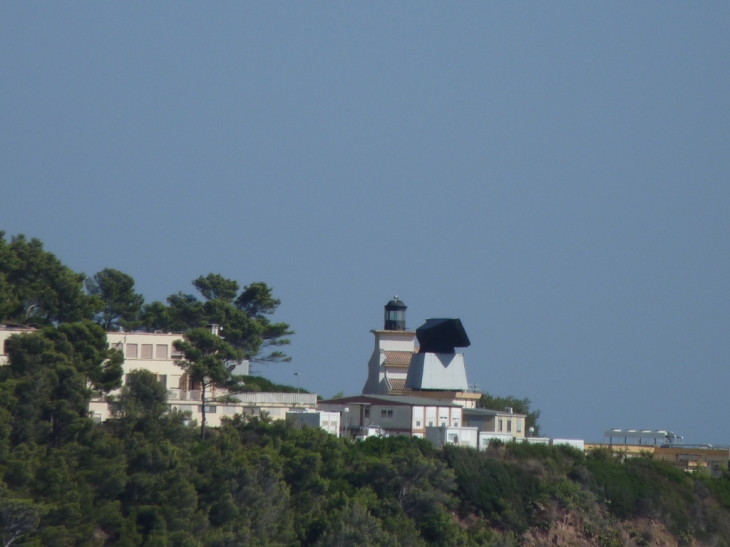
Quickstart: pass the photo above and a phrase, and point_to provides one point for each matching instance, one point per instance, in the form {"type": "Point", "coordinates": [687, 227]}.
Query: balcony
{"type": "Point", "coordinates": [183, 395]}
{"type": "Point", "coordinates": [260, 398]}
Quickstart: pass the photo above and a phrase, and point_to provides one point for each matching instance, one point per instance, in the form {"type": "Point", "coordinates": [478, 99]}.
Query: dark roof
{"type": "Point", "coordinates": [442, 336]}
{"type": "Point", "coordinates": [488, 412]}
{"type": "Point", "coordinates": [395, 304]}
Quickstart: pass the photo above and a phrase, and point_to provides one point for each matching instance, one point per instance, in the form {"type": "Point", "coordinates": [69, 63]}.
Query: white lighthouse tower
{"type": "Point", "coordinates": [393, 352]}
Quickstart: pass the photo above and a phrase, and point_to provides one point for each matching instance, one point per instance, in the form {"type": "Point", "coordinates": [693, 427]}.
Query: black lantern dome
{"type": "Point", "coordinates": [395, 315]}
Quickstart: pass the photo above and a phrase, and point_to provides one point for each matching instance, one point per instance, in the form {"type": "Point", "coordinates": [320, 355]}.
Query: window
{"type": "Point", "coordinates": [509, 426]}
{"type": "Point", "coordinates": [161, 351]}
{"type": "Point", "coordinates": [176, 353]}
{"type": "Point", "coordinates": [209, 409]}
{"type": "Point", "coordinates": [456, 423]}
{"type": "Point", "coordinates": [117, 345]}
{"type": "Point", "coordinates": [501, 428]}
{"type": "Point", "coordinates": [131, 351]}
{"type": "Point", "coordinates": [185, 408]}
{"type": "Point", "coordinates": [146, 351]}
{"type": "Point", "coordinates": [367, 412]}
{"type": "Point", "coordinates": [418, 424]}
{"type": "Point", "coordinates": [519, 426]}
{"type": "Point", "coordinates": [386, 413]}
{"type": "Point", "coordinates": [430, 424]}
{"type": "Point", "coordinates": [162, 378]}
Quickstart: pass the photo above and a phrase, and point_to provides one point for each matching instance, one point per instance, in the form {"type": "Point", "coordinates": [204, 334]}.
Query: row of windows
{"type": "Point", "coordinates": [500, 426]}
{"type": "Point", "coordinates": [209, 409]}
{"type": "Point", "coordinates": [148, 351]}
{"type": "Point", "coordinates": [388, 413]}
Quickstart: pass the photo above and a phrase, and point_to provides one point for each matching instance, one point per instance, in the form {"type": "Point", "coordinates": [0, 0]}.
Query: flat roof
{"type": "Point", "coordinates": [402, 400]}
{"type": "Point", "coordinates": [489, 412]}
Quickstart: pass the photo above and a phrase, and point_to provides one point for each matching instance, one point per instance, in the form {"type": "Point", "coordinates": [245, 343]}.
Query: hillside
{"type": "Point", "coordinates": [151, 477]}
{"type": "Point", "coordinates": [146, 479]}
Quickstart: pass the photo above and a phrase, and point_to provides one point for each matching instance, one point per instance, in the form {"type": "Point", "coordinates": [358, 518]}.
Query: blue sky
{"type": "Point", "coordinates": [554, 174]}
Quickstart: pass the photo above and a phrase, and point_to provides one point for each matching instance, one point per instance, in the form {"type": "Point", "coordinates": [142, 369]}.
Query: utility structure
{"type": "Point", "coordinates": [432, 369]}
{"type": "Point", "coordinates": [437, 366]}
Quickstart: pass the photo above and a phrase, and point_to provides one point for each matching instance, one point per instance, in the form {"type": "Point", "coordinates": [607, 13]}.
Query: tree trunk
{"type": "Point", "coordinates": [202, 402]}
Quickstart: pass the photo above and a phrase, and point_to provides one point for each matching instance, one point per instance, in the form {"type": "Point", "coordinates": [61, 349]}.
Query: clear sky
{"type": "Point", "coordinates": [554, 174]}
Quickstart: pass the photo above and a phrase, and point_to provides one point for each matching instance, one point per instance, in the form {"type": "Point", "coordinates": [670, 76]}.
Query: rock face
{"type": "Point", "coordinates": [572, 529]}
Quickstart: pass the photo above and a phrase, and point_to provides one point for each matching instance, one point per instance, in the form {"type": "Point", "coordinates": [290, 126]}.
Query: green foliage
{"type": "Point", "coordinates": [259, 383]}
{"type": "Point", "coordinates": [519, 406]}
{"type": "Point", "coordinates": [51, 377]}
{"type": "Point", "coordinates": [36, 289]}
{"type": "Point", "coordinates": [204, 360]}
{"type": "Point", "coordinates": [147, 478]}
{"type": "Point", "coordinates": [244, 317]}
{"type": "Point", "coordinates": [142, 399]}
{"type": "Point", "coordinates": [504, 492]}
{"type": "Point", "coordinates": [121, 303]}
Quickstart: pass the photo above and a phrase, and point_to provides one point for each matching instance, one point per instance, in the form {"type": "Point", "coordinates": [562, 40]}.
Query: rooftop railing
{"type": "Point", "coordinates": [256, 398]}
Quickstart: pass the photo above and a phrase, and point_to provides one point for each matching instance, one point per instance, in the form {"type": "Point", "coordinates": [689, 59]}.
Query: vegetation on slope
{"type": "Point", "coordinates": [148, 478]}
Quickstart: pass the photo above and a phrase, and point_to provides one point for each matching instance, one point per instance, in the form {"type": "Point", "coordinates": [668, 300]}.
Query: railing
{"type": "Point", "coordinates": [183, 395]}
{"type": "Point", "coordinates": [277, 398]}
{"type": "Point", "coordinates": [256, 398]}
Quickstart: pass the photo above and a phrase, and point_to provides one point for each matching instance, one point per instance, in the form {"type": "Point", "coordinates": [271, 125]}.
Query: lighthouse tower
{"type": "Point", "coordinates": [395, 346]}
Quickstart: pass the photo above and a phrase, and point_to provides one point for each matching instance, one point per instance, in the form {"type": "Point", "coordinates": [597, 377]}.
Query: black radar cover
{"type": "Point", "coordinates": [442, 336]}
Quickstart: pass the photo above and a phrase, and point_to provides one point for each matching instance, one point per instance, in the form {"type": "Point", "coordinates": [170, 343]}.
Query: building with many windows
{"type": "Point", "coordinates": [393, 414]}
{"type": "Point", "coordinates": [155, 352]}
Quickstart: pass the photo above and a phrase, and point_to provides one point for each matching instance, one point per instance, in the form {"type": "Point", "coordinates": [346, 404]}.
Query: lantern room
{"type": "Point", "coordinates": [395, 315]}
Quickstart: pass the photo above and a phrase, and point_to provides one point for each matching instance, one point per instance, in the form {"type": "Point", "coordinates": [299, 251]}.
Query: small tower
{"type": "Point", "coordinates": [395, 315]}
{"type": "Point", "coordinates": [394, 349]}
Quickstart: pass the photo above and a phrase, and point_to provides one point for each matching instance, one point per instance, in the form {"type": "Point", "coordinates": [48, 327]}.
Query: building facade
{"type": "Point", "coordinates": [393, 414]}
{"type": "Point", "coordinates": [398, 366]}
{"type": "Point", "coordinates": [155, 352]}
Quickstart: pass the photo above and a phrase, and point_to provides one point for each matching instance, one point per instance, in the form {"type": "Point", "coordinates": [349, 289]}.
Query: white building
{"type": "Point", "coordinates": [398, 366]}
{"type": "Point", "coordinates": [6, 331]}
{"type": "Point", "coordinates": [459, 436]}
{"type": "Point", "coordinates": [395, 347]}
{"type": "Point", "coordinates": [155, 352]}
{"type": "Point", "coordinates": [393, 414]}
{"type": "Point", "coordinates": [500, 424]}
{"type": "Point", "coordinates": [329, 421]}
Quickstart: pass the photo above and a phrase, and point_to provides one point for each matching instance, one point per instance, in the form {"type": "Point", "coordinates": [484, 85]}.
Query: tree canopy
{"type": "Point", "coordinates": [205, 358]}
{"type": "Point", "coordinates": [37, 289]}
{"type": "Point", "coordinates": [243, 316]}
{"type": "Point", "coordinates": [121, 303]}
{"type": "Point", "coordinates": [147, 477]}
